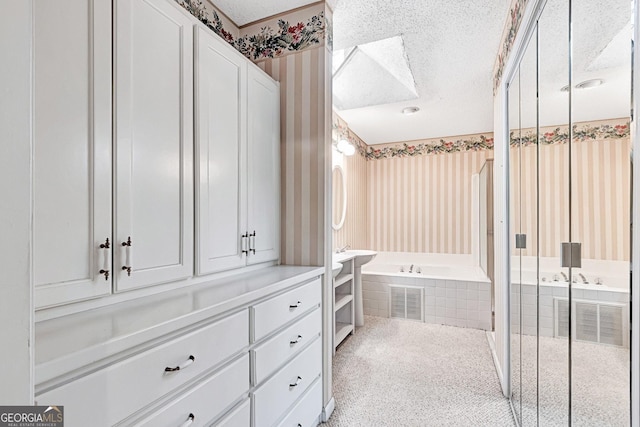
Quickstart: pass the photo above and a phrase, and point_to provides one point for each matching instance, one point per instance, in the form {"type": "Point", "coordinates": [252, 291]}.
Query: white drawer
{"type": "Point", "coordinates": [270, 355]}
{"type": "Point", "coordinates": [273, 313]}
{"type": "Point", "coordinates": [307, 411]}
{"type": "Point", "coordinates": [239, 417]}
{"type": "Point", "coordinates": [113, 393]}
{"type": "Point", "coordinates": [206, 400]}
{"type": "Point", "coordinates": [277, 394]}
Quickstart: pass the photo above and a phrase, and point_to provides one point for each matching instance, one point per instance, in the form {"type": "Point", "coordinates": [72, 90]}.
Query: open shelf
{"type": "Point", "coordinates": [342, 300]}
{"type": "Point", "coordinates": [342, 279]}
{"type": "Point", "coordinates": [342, 330]}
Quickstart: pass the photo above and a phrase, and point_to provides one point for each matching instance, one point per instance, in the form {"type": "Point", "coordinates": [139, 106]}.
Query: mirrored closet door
{"type": "Point", "coordinates": [570, 204]}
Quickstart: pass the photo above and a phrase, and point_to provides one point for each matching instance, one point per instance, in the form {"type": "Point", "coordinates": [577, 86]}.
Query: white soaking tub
{"type": "Point", "coordinates": [434, 288]}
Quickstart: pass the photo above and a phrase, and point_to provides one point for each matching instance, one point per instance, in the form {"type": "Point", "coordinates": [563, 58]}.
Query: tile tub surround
{"type": "Point", "coordinates": [456, 292]}
{"type": "Point", "coordinates": [446, 302]}
{"type": "Point", "coordinates": [527, 292]}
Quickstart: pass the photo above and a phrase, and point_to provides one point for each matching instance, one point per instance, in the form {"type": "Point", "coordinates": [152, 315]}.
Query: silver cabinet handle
{"type": "Point", "coordinates": [294, 306]}
{"type": "Point", "coordinates": [243, 243]}
{"type": "Point", "coordinates": [252, 242]}
{"type": "Point", "coordinates": [296, 383]}
{"type": "Point", "coordinates": [296, 341]}
{"type": "Point", "coordinates": [182, 366]}
{"type": "Point", "coordinates": [106, 263]}
{"type": "Point", "coordinates": [127, 263]}
{"type": "Point", "coordinates": [189, 421]}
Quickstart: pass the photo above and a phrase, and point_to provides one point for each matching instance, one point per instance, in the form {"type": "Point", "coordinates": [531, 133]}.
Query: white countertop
{"type": "Point", "coordinates": [78, 340]}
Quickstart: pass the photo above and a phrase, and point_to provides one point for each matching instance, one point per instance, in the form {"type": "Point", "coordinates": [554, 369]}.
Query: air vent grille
{"type": "Point", "coordinates": [405, 302]}
{"type": "Point", "coordinates": [594, 321]}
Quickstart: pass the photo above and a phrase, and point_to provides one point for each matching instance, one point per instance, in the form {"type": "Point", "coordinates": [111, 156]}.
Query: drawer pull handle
{"type": "Point", "coordinates": [186, 363]}
{"type": "Point", "coordinates": [296, 383]}
{"type": "Point", "coordinates": [189, 421]}
{"type": "Point", "coordinates": [296, 341]}
{"type": "Point", "coordinates": [294, 306]}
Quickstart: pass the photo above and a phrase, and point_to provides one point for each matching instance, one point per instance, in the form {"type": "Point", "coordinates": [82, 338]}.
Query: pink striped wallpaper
{"type": "Point", "coordinates": [600, 190]}
{"type": "Point", "coordinates": [305, 124]}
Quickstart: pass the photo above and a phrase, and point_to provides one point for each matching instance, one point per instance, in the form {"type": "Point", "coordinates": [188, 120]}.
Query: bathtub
{"type": "Point", "coordinates": [536, 306]}
{"type": "Point", "coordinates": [455, 291]}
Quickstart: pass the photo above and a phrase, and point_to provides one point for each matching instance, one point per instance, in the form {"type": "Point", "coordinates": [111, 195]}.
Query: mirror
{"type": "Point", "coordinates": [339, 197]}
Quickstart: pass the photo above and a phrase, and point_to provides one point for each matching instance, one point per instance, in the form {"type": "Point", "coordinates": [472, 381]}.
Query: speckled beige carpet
{"type": "Point", "coordinates": [403, 373]}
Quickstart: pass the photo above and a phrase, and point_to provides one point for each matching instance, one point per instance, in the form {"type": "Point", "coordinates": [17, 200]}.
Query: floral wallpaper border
{"type": "Point", "coordinates": [580, 133]}
{"type": "Point", "coordinates": [550, 136]}
{"type": "Point", "coordinates": [515, 13]}
{"type": "Point", "coordinates": [269, 42]}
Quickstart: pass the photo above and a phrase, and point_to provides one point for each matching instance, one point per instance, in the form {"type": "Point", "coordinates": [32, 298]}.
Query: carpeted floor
{"type": "Point", "coordinates": [403, 373]}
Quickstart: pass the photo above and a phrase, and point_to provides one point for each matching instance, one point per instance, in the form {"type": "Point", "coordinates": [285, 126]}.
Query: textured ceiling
{"type": "Point", "coordinates": [244, 12]}
{"type": "Point", "coordinates": [451, 49]}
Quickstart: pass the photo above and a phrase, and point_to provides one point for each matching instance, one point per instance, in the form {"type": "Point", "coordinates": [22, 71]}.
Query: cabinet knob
{"type": "Point", "coordinates": [182, 366]}
{"type": "Point", "coordinates": [298, 380]}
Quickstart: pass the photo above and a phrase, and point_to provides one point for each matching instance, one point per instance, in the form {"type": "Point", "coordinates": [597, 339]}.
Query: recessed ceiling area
{"type": "Point", "coordinates": [246, 12]}
{"type": "Point", "coordinates": [372, 74]}
{"type": "Point", "coordinates": [450, 48]}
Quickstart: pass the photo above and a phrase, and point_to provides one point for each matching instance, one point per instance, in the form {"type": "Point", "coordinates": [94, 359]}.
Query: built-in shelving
{"type": "Point", "coordinates": [343, 308]}
{"type": "Point", "coordinates": [342, 331]}
{"type": "Point", "coordinates": [342, 279]}
{"type": "Point", "coordinates": [342, 300]}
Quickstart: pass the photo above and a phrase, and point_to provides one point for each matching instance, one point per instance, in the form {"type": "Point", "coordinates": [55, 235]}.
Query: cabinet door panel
{"type": "Point", "coordinates": [264, 165]}
{"type": "Point", "coordinates": [154, 143]}
{"type": "Point", "coordinates": [221, 140]}
{"type": "Point", "coordinates": [72, 149]}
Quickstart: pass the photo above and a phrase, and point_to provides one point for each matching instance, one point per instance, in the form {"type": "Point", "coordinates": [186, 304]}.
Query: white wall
{"type": "Point", "coordinates": [16, 312]}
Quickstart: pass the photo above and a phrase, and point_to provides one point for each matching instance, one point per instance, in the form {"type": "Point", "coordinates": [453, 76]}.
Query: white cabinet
{"type": "Point", "coordinates": [237, 138]}
{"type": "Point", "coordinates": [264, 167]}
{"type": "Point", "coordinates": [72, 149]}
{"type": "Point", "coordinates": [191, 364]}
{"type": "Point", "coordinates": [221, 73]}
{"type": "Point", "coordinates": [153, 142]}
{"type": "Point", "coordinates": [142, 171]}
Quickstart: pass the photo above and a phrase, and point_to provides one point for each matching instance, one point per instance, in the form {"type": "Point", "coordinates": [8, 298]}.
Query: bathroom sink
{"type": "Point", "coordinates": [360, 256]}
{"type": "Point", "coordinates": [336, 267]}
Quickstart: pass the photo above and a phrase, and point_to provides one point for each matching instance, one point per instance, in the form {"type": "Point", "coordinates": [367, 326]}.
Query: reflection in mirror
{"type": "Point", "coordinates": [339, 197]}
{"type": "Point", "coordinates": [553, 220]}
{"type": "Point", "coordinates": [600, 216]}
{"type": "Point", "coordinates": [516, 267]}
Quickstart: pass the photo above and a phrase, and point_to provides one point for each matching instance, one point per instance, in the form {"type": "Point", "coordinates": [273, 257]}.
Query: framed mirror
{"type": "Point", "coordinates": [339, 197]}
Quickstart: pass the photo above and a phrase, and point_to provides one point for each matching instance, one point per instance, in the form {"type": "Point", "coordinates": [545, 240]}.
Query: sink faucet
{"type": "Point", "coordinates": [411, 269]}
{"type": "Point", "coordinates": [584, 279]}
{"type": "Point", "coordinates": [340, 250]}
{"type": "Point", "coordinates": [564, 276]}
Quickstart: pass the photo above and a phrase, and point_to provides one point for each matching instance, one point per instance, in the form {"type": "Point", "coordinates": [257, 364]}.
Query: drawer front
{"type": "Point", "coordinates": [307, 411]}
{"type": "Point", "coordinates": [270, 355]}
{"type": "Point", "coordinates": [111, 394]}
{"type": "Point", "coordinates": [239, 417]}
{"type": "Point", "coordinates": [207, 400]}
{"type": "Point", "coordinates": [280, 392]}
{"type": "Point", "coordinates": [273, 313]}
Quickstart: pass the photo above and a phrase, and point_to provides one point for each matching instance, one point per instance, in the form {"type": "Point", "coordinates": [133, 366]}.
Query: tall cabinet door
{"type": "Point", "coordinates": [154, 143]}
{"type": "Point", "coordinates": [263, 166]}
{"type": "Point", "coordinates": [221, 146]}
{"type": "Point", "coordinates": [72, 150]}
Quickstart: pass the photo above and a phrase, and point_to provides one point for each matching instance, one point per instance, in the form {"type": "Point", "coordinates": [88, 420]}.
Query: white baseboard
{"type": "Point", "coordinates": [328, 410]}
